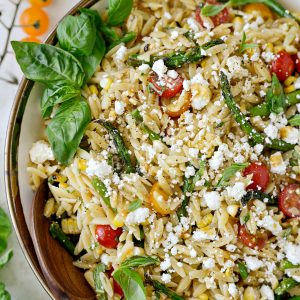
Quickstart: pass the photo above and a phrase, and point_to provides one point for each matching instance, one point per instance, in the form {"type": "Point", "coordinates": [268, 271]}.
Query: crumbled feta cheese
{"type": "Point", "coordinates": [186, 85]}
{"type": "Point", "coordinates": [297, 84]}
{"type": "Point", "coordinates": [217, 160]}
{"type": "Point", "coordinates": [41, 152]}
{"type": "Point", "coordinates": [271, 131]}
{"type": "Point", "coordinates": [138, 216]}
{"type": "Point", "coordinates": [258, 148]}
{"type": "Point", "coordinates": [119, 108]}
{"type": "Point", "coordinates": [237, 191]}
{"type": "Point", "coordinates": [193, 152]}
{"type": "Point", "coordinates": [231, 247]}
{"type": "Point", "coordinates": [270, 224]}
{"type": "Point", "coordinates": [165, 264]}
{"type": "Point", "coordinates": [159, 68]}
{"type": "Point", "coordinates": [278, 165]}
{"type": "Point", "coordinates": [166, 278]}
{"type": "Point", "coordinates": [268, 56]}
{"type": "Point", "coordinates": [208, 263]}
{"type": "Point", "coordinates": [266, 292]}
{"type": "Point", "coordinates": [198, 78]}
{"type": "Point", "coordinates": [232, 289]}
{"type": "Point", "coordinates": [262, 93]}
{"type": "Point", "coordinates": [193, 253]}
{"type": "Point", "coordinates": [172, 74]}
{"type": "Point", "coordinates": [294, 273]}
{"type": "Point", "coordinates": [253, 263]}
{"type": "Point", "coordinates": [121, 53]}
{"type": "Point", "coordinates": [292, 252]}
{"type": "Point", "coordinates": [174, 35]}
{"type": "Point", "coordinates": [144, 68]}
{"type": "Point", "coordinates": [290, 134]}
{"type": "Point", "coordinates": [210, 282]}
{"type": "Point", "coordinates": [193, 24]}
{"type": "Point", "coordinates": [212, 200]}
{"type": "Point", "coordinates": [200, 235]}
{"type": "Point", "coordinates": [105, 259]}
{"type": "Point", "coordinates": [234, 65]}
{"type": "Point", "coordinates": [189, 172]}
{"type": "Point", "coordinates": [100, 169]}
{"type": "Point", "coordinates": [167, 15]}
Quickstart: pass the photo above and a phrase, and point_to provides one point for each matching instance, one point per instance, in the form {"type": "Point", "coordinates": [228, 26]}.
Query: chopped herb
{"type": "Point", "coordinates": [286, 232]}
{"type": "Point", "coordinates": [255, 194]}
{"type": "Point", "coordinates": [285, 264]}
{"type": "Point", "coordinates": [244, 219]}
{"type": "Point", "coordinates": [244, 46]}
{"type": "Point", "coordinates": [101, 189]}
{"type": "Point", "coordinates": [139, 261]}
{"type": "Point", "coordinates": [212, 10]}
{"type": "Point", "coordinates": [285, 285]}
{"type": "Point", "coordinates": [134, 205]}
{"type": "Point", "coordinates": [295, 121]}
{"type": "Point", "coordinates": [243, 270]}
{"type": "Point", "coordinates": [275, 96]}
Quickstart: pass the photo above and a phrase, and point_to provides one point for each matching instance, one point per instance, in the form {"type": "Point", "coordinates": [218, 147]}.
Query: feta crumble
{"type": "Point", "coordinates": [119, 108]}
{"type": "Point", "coordinates": [121, 53]}
{"type": "Point", "coordinates": [100, 169]}
{"type": "Point", "coordinates": [212, 200]}
{"type": "Point", "coordinates": [253, 263]}
{"type": "Point", "coordinates": [41, 152]}
{"type": "Point", "coordinates": [208, 263]}
{"type": "Point", "coordinates": [159, 68]}
{"type": "Point", "coordinates": [292, 253]}
{"type": "Point", "coordinates": [166, 278]}
{"type": "Point", "coordinates": [266, 292]}
{"type": "Point", "coordinates": [237, 191]}
{"type": "Point", "coordinates": [138, 216]}
{"type": "Point", "coordinates": [270, 224]}
{"type": "Point", "coordinates": [144, 68]}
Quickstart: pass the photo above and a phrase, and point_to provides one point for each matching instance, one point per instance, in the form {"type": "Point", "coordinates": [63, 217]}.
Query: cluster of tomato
{"type": "Point", "coordinates": [34, 20]}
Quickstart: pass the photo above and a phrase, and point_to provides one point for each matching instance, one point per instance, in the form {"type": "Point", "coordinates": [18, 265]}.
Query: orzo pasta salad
{"type": "Point", "coordinates": [172, 147]}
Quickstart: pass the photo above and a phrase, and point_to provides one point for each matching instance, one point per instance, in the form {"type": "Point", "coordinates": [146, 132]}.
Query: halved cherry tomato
{"type": "Point", "coordinates": [221, 18]}
{"type": "Point", "coordinates": [252, 241]}
{"type": "Point", "coordinates": [32, 39]}
{"type": "Point", "coordinates": [40, 2]}
{"type": "Point", "coordinates": [166, 87]}
{"type": "Point", "coordinates": [260, 176]}
{"type": "Point", "coordinates": [283, 66]}
{"type": "Point", "coordinates": [34, 21]}
{"type": "Point", "coordinates": [117, 289]}
{"type": "Point", "coordinates": [296, 59]}
{"type": "Point", "coordinates": [159, 199]}
{"type": "Point", "coordinates": [176, 108]}
{"type": "Point", "coordinates": [289, 201]}
{"type": "Point", "coordinates": [107, 236]}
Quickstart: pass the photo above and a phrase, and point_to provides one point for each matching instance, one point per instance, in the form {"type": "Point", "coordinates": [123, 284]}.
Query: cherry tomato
{"type": "Point", "coordinates": [166, 87]}
{"type": "Point", "coordinates": [40, 2]}
{"type": "Point", "coordinates": [34, 21]}
{"type": "Point", "coordinates": [283, 66]}
{"type": "Point", "coordinates": [117, 289]}
{"type": "Point", "coordinates": [221, 18]}
{"type": "Point", "coordinates": [296, 59]}
{"type": "Point", "coordinates": [107, 236]}
{"type": "Point", "coordinates": [176, 108]}
{"type": "Point", "coordinates": [260, 176]}
{"type": "Point", "coordinates": [289, 201]}
{"type": "Point", "coordinates": [252, 241]}
{"type": "Point", "coordinates": [159, 199]}
{"type": "Point", "coordinates": [32, 39]}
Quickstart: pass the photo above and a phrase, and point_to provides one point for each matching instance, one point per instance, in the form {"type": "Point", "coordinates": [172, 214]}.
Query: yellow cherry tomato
{"type": "Point", "coordinates": [40, 2]}
{"type": "Point", "coordinates": [159, 199]}
{"type": "Point", "coordinates": [32, 39]}
{"type": "Point", "coordinates": [260, 8]}
{"type": "Point", "coordinates": [34, 21]}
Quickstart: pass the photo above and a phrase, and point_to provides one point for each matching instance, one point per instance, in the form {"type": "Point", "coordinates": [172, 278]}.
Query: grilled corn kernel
{"type": "Point", "coordinates": [118, 221]}
{"type": "Point", "coordinates": [260, 9]}
{"type": "Point", "coordinates": [228, 272]}
{"type": "Point", "coordinates": [276, 160]}
{"type": "Point", "coordinates": [105, 83]}
{"type": "Point", "coordinates": [238, 23]}
{"type": "Point", "coordinates": [186, 26]}
{"type": "Point", "coordinates": [205, 221]}
{"type": "Point", "coordinates": [82, 164]}
{"type": "Point", "coordinates": [49, 208]}
{"type": "Point", "coordinates": [69, 226]}
{"type": "Point", "coordinates": [278, 49]}
{"type": "Point", "coordinates": [251, 293]}
{"type": "Point", "coordinates": [232, 209]}
{"type": "Point", "coordinates": [288, 132]}
{"type": "Point", "coordinates": [269, 47]}
{"type": "Point", "coordinates": [63, 185]}
{"type": "Point", "coordinates": [93, 89]}
{"type": "Point", "coordinates": [289, 89]}
{"type": "Point", "coordinates": [290, 80]}
{"type": "Point", "coordinates": [203, 297]}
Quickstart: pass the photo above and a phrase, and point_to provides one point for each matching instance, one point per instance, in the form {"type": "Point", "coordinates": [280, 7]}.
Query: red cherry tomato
{"type": "Point", "coordinates": [296, 59]}
{"type": "Point", "coordinates": [117, 289]}
{"type": "Point", "coordinates": [166, 87]}
{"type": "Point", "coordinates": [289, 201]}
{"type": "Point", "coordinates": [260, 176]}
{"type": "Point", "coordinates": [107, 236]}
{"type": "Point", "coordinates": [283, 66]}
{"type": "Point", "coordinates": [221, 18]}
{"type": "Point", "coordinates": [252, 241]}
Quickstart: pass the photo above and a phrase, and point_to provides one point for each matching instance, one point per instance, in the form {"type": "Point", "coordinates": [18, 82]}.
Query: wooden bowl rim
{"type": "Point", "coordinates": [11, 166]}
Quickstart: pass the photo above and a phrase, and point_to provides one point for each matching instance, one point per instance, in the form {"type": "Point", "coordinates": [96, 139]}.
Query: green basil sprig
{"type": "Point", "coordinates": [100, 291]}
{"type": "Point", "coordinates": [139, 261]}
{"type": "Point", "coordinates": [229, 172]}
{"type": "Point", "coordinates": [244, 46]}
{"type": "Point", "coordinates": [131, 283]}
{"type": "Point", "coordinates": [4, 295]}
{"type": "Point", "coordinates": [212, 10]}
{"type": "Point", "coordinates": [275, 96]}
{"type": "Point", "coordinates": [118, 11]}
{"type": "Point", "coordinates": [295, 120]}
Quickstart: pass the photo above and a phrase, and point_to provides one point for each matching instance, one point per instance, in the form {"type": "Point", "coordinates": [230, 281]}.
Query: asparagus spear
{"type": "Point", "coordinates": [243, 270]}
{"type": "Point", "coordinates": [100, 292]}
{"type": "Point", "coordinates": [153, 136]}
{"type": "Point", "coordinates": [119, 143]}
{"type": "Point", "coordinates": [260, 196]}
{"type": "Point", "coordinates": [272, 4]}
{"type": "Point", "coordinates": [178, 59]}
{"type": "Point", "coordinates": [264, 110]}
{"type": "Point", "coordinates": [284, 285]}
{"type": "Point", "coordinates": [57, 234]}
{"type": "Point", "coordinates": [285, 264]}
{"type": "Point", "coordinates": [240, 118]}
{"type": "Point", "coordinates": [101, 189]}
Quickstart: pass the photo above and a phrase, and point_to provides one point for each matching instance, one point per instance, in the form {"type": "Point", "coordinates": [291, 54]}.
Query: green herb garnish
{"type": "Point", "coordinates": [244, 46]}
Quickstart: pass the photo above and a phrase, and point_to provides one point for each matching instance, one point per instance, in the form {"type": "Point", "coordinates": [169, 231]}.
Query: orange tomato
{"type": "Point", "coordinates": [179, 106]}
{"type": "Point", "coordinates": [32, 39]}
{"type": "Point", "coordinates": [40, 2]}
{"type": "Point", "coordinates": [159, 199]}
{"type": "Point", "coordinates": [34, 21]}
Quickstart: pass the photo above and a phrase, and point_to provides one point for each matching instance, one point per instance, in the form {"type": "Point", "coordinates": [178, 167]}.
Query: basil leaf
{"type": "Point", "coordinates": [134, 205]}
{"type": "Point", "coordinates": [67, 129]}
{"type": "Point", "coordinates": [5, 230]}
{"type": "Point", "coordinates": [128, 37]}
{"type": "Point", "coordinates": [4, 259]}
{"type": "Point", "coordinates": [100, 291]}
{"type": "Point", "coordinates": [131, 284]}
{"type": "Point", "coordinates": [212, 10]}
{"type": "Point", "coordinates": [244, 46]}
{"type": "Point", "coordinates": [118, 11]}
{"type": "Point", "coordinates": [295, 121]}
{"type": "Point", "coordinates": [229, 172]}
{"type": "Point", "coordinates": [48, 65]}
{"type": "Point", "coordinates": [4, 295]}
{"type": "Point", "coordinates": [139, 261]}
{"type": "Point", "coordinates": [91, 62]}
{"type": "Point", "coordinates": [77, 34]}
{"type": "Point", "coordinates": [275, 96]}
{"type": "Point", "coordinates": [52, 97]}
